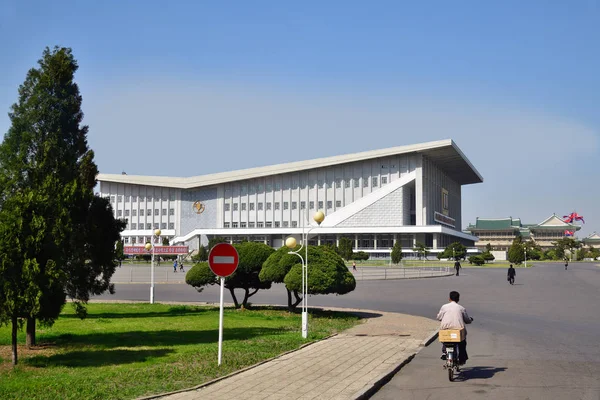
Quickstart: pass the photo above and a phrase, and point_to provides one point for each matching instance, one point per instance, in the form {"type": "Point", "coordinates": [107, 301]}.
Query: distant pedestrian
{"type": "Point", "coordinates": [181, 267]}
{"type": "Point", "coordinates": [511, 275]}
{"type": "Point", "coordinates": [175, 266]}
{"type": "Point", "coordinates": [457, 267]}
{"type": "Point", "coordinates": [353, 265]}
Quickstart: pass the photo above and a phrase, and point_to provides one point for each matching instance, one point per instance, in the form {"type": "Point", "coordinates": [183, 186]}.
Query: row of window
{"type": "Point", "coordinates": [148, 212]}
{"type": "Point", "coordinates": [339, 184]}
{"type": "Point", "coordinates": [134, 199]}
{"type": "Point", "coordinates": [140, 239]}
{"type": "Point", "coordinates": [156, 225]}
{"type": "Point", "coordinates": [259, 224]}
{"type": "Point", "coordinates": [286, 205]}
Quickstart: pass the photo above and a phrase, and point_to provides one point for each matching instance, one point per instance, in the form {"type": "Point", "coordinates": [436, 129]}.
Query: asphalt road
{"type": "Point", "coordinates": [538, 339]}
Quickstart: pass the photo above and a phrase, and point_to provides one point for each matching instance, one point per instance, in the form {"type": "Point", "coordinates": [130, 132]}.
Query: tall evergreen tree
{"type": "Point", "coordinates": [345, 248]}
{"type": "Point", "coordinates": [58, 239]}
{"type": "Point", "coordinates": [516, 252]}
{"type": "Point", "coordinates": [396, 252]}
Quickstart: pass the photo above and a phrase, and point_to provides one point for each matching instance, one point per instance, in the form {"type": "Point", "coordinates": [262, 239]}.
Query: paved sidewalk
{"type": "Point", "coordinates": [345, 366]}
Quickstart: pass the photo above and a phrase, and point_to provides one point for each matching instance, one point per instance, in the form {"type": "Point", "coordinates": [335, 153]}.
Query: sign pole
{"type": "Point", "coordinates": [221, 321]}
{"type": "Point", "coordinates": [223, 261]}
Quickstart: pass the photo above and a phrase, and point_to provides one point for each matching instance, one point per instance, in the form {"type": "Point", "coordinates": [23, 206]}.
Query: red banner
{"type": "Point", "coordinates": [157, 250]}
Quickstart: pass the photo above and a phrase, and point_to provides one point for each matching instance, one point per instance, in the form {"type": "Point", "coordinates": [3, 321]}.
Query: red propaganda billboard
{"type": "Point", "coordinates": [134, 250]}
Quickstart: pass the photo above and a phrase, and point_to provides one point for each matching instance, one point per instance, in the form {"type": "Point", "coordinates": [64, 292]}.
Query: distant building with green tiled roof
{"type": "Point", "coordinates": [500, 232]}
{"type": "Point", "coordinates": [592, 240]}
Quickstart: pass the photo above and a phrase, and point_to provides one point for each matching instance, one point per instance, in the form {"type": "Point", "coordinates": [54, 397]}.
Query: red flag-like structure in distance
{"type": "Point", "coordinates": [573, 217]}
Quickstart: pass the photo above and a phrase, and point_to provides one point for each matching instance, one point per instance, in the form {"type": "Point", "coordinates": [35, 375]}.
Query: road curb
{"type": "Point", "coordinates": [430, 338]}
{"type": "Point", "coordinates": [384, 378]}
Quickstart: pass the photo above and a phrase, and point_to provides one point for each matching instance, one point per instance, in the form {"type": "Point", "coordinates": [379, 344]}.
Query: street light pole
{"type": "Point", "coordinates": [150, 246]}
{"type": "Point", "coordinates": [290, 243]}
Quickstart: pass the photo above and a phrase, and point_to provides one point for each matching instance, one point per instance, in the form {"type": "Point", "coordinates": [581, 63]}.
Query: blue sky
{"type": "Point", "coordinates": [170, 87]}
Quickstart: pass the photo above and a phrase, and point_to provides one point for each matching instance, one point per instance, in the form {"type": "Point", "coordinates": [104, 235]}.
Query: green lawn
{"type": "Point", "coordinates": [123, 351]}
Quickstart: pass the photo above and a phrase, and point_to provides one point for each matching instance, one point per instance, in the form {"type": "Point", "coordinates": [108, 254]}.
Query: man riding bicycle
{"type": "Point", "coordinates": [454, 316]}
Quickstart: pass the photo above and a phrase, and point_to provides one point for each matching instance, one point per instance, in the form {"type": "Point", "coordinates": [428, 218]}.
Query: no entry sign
{"type": "Point", "coordinates": [223, 259]}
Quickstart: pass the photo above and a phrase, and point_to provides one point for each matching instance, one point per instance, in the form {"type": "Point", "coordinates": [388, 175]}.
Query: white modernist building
{"type": "Point", "coordinates": [407, 194]}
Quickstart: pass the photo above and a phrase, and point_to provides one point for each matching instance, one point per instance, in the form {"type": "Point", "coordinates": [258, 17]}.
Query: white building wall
{"type": "Point", "coordinates": [137, 204]}
{"type": "Point", "coordinates": [434, 180]}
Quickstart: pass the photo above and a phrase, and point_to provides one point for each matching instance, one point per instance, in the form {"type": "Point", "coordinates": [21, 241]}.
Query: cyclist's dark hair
{"type": "Point", "coordinates": [454, 296]}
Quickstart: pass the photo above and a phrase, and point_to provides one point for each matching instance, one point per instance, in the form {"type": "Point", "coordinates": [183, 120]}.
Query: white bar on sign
{"type": "Point", "coordinates": [223, 259]}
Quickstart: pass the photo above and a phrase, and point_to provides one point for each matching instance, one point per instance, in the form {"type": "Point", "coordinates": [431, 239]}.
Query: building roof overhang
{"type": "Point", "coordinates": [444, 153]}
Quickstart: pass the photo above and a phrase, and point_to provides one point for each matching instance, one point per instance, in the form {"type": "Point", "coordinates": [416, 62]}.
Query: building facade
{"type": "Point", "coordinates": [407, 194]}
{"type": "Point", "coordinates": [500, 232]}
{"type": "Point", "coordinates": [593, 240]}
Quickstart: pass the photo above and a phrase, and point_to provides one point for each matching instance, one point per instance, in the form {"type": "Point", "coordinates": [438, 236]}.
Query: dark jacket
{"type": "Point", "coordinates": [512, 272]}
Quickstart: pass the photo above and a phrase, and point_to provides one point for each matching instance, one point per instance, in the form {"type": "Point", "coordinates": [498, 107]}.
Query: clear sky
{"type": "Point", "coordinates": [188, 88]}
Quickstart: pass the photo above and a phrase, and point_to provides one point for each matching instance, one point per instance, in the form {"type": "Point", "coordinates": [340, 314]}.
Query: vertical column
{"type": "Point", "coordinates": [419, 191]}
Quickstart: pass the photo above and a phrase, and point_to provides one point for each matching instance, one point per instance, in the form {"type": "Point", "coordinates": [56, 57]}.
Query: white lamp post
{"type": "Point", "coordinates": [150, 246]}
{"type": "Point", "coordinates": [290, 243]}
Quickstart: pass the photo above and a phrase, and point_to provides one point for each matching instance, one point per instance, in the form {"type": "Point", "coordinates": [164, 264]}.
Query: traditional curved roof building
{"type": "Point", "coordinates": [407, 194]}
{"type": "Point", "coordinates": [592, 240]}
{"type": "Point", "coordinates": [500, 232]}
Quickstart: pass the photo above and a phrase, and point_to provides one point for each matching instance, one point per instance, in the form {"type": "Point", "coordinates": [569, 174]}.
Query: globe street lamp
{"type": "Point", "coordinates": [150, 246]}
{"type": "Point", "coordinates": [290, 243]}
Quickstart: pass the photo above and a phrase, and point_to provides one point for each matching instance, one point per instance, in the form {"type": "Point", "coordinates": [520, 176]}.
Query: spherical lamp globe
{"type": "Point", "coordinates": [157, 232]}
{"type": "Point", "coordinates": [290, 242]}
{"type": "Point", "coordinates": [319, 217]}
{"type": "Point", "coordinates": [148, 246]}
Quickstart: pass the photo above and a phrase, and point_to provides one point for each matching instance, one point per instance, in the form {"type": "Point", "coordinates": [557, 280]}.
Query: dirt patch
{"type": "Point", "coordinates": [43, 349]}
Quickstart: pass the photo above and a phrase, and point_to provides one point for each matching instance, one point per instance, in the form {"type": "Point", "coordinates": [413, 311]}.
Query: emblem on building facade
{"type": "Point", "coordinates": [199, 207]}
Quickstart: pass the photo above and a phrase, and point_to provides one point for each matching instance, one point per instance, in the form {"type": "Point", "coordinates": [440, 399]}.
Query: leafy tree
{"type": "Point", "coordinates": [420, 249]}
{"type": "Point", "coordinates": [477, 260]}
{"type": "Point", "coordinates": [120, 255]}
{"type": "Point", "coordinates": [58, 239]}
{"type": "Point", "coordinates": [360, 256]}
{"type": "Point", "coordinates": [327, 273]}
{"type": "Point", "coordinates": [516, 252]}
{"type": "Point", "coordinates": [215, 241]}
{"type": "Point", "coordinates": [487, 256]}
{"type": "Point", "coordinates": [201, 255]}
{"type": "Point", "coordinates": [456, 251]}
{"type": "Point", "coordinates": [593, 253]}
{"type": "Point", "coordinates": [564, 244]}
{"type": "Point", "coordinates": [345, 248]}
{"type": "Point", "coordinates": [252, 255]}
{"type": "Point", "coordinates": [396, 252]}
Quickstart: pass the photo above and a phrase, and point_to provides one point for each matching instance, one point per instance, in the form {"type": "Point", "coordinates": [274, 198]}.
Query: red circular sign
{"type": "Point", "coordinates": [223, 259]}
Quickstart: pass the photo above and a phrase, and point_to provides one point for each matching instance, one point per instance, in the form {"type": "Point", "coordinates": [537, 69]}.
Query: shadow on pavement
{"type": "Point", "coordinates": [480, 372]}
